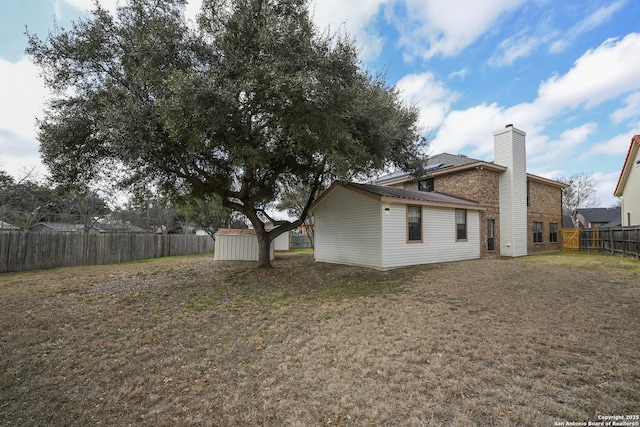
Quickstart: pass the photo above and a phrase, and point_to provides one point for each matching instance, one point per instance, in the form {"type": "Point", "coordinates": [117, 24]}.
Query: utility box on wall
{"type": "Point", "coordinates": [237, 245]}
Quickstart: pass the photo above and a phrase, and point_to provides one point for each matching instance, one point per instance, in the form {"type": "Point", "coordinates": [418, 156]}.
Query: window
{"type": "Point", "coordinates": [461, 224]}
{"type": "Point", "coordinates": [528, 193]}
{"type": "Point", "coordinates": [491, 231]}
{"type": "Point", "coordinates": [628, 218]}
{"type": "Point", "coordinates": [414, 223]}
{"type": "Point", "coordinates": [553, 232]}
{"type": "Point", "coordinates": [425, 184]}
{"type": "Point", "coordinates": [537, 232]}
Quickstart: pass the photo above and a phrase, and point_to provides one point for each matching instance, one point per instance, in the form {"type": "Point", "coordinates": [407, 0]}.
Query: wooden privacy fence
{"type": "Point", "coordinates": [20, 251]}
{"type": "Point", "coordinates": [615, 240]}
{"type": "Point", "coordinates": [299, 241]}
{"type": "Point", "coordinates": [621, 240]}
{"type": "Point", "coordinates": [570, 239]}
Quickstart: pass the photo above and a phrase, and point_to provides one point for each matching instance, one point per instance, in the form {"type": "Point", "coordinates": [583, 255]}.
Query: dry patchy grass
{"type": "Point", "coordinates": [190, 341]}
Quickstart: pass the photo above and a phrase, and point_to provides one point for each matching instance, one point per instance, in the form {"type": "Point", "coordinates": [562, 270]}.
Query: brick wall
{"type": "Point", "coordinates": [481, 186]}
{"type": "Point", "coordinates": [545, 206]}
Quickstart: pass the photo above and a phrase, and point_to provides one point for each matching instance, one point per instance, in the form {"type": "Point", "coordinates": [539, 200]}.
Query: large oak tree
{"type": "Point", "coordinates": [249, 101]}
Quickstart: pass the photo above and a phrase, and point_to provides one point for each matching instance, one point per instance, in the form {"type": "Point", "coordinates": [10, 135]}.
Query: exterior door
{"type": "Point", "coordinates": [491, 229]}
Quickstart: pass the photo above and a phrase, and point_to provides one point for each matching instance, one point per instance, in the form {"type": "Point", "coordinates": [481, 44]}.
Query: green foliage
{"type": "Point", "coordinates": [248, 104]}
{"type": "Point", "coordinates": [26, 202]}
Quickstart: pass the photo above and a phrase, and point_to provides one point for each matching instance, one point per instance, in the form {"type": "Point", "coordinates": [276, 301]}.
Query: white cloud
{"type": "Point", "coordinates": [618, 145]}
{"type": "Point", "coordinates": [576, 136]}
{"type": "Point", "coordinates": [569, 141]}
{"type": "Point", "coordinates": [518, 46]}
{"type": "Point", "coordinates": [109, 5]}
{"type": "Point", "coordinates": [606, 185]}
{"type": "Point", "coordinates": [191, 10]}
{"type": "Point", "coordinates": [594, 20]}
{"type": "Point", "coordinates": [353, 17]}
{"type": "Point", "coordinates": [22, 95]}
{"type": "Point", "coordinates": [447, 26]}
{"type": "Point", "coordinates": [461, 74]}
{"type": "Point", "coordinates": [600, 75]}
{"type": "Point", "coordinates": [630, 110]}
{"type": "Point", "coordinates": [471, 128]}
{"type": "Point", "coordinates": [433, 98]}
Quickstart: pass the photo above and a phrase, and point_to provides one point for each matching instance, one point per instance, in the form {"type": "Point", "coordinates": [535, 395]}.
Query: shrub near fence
{"type": "Point", "coordinates": [20, 251]}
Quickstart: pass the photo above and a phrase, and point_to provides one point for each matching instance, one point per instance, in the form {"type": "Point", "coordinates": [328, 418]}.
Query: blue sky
{"type": "Point", "coordinates": [567, 73]}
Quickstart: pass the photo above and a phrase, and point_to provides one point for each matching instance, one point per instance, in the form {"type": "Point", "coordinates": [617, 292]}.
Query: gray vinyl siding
{"type": "Point", "coordinates": [438, 239]}
{"type": "Point", "coordinates": [347, 229]}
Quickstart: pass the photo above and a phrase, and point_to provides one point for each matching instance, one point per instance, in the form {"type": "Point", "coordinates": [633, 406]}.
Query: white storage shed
{"type": "Point", "coordinates": [280, 243]}
{"type": "Point", "coordinates": [237, 245]}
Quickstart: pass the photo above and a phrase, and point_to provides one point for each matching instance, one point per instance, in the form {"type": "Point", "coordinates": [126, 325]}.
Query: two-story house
{"type": "Point", "coordinates": [484, 182]}
{"type": "Point", "coordinates": [463, 209]}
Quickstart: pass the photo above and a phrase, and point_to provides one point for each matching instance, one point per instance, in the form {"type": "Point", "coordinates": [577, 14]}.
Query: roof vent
{"type": "Point", "coordinates": [510, 125]}
{"type": "Point", "coordinates": [462, 155]}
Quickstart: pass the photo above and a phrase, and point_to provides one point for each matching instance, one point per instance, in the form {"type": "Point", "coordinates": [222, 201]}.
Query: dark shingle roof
{"type": "Point", "coordinates": [567, 222]}
{"type": "Point", "coordinates": [615, 223]}
{"type": "Point", "coordinates": [59, 226]}
{"type": "Point", "coordinates": [446, 160]}
{"type": "Point", "coordinates": [118, 228]}
{"type": "Point", "coordinates": [401, 193]}
{"type": "Point", "coordinates": [600, 215]}
{"type": "Point", "coordinates": [436, 163]}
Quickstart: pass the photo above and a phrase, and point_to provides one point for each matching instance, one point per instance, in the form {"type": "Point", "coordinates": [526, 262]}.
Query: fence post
{"type": "Point", "coordinates": [611, 241]}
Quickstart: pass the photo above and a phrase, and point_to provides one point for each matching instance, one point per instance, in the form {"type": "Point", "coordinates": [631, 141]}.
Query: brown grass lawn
{"type": "Point", "coordinates": [189, 341]}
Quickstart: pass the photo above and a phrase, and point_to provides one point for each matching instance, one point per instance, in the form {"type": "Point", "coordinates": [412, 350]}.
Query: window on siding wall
{"type": "Point", "coordinates": [537, 232]}
{"type": "Point", "coordinates": [414, 223]}
{"type": "Point", "coordinates": [461, 224]}
{"type": "Point", "coordinates": [553, 232]}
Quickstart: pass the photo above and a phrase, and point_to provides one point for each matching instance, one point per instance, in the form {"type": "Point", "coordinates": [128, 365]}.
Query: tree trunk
{"type": "Point", "coordinates": [264, 250]}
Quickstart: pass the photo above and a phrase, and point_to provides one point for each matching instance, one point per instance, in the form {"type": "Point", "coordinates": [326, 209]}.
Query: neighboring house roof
{"type": "Point", "coordinates": [447, 163]}
{"type": "Point", "coordinates": [118, 228]}
{"type": "Point", "coordinates": [401, 195]}
{"type": "Point", "coordinates": [58, 226]}
{"type": "Point", "coordinates": [7, 226]}
{"type": "Point", "coordinates": [601, 215]}
{"type": "Point", "coordinates": [567, 222]}
{"type": "Point", "coordinates": [615, 223]}
{"type": "Point", "coordinates": [627, 165]}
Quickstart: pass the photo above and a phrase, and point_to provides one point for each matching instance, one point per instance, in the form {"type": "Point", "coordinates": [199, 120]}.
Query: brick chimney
{"type": "Point", "coordinates": [510, 151]}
